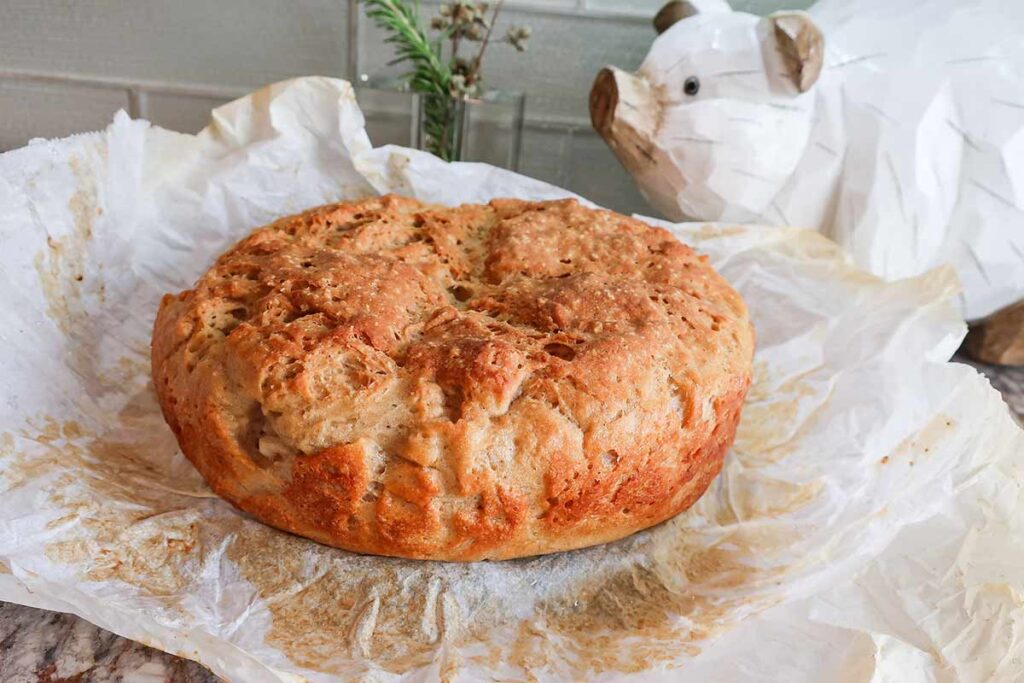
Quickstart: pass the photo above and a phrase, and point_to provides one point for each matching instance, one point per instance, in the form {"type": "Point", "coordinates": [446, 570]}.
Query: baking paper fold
{"type": "Point", "coordinates": [867, 525]}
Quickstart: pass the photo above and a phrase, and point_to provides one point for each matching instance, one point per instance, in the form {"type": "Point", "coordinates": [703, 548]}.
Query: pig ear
{"type": "Point", "coordinates": [677, 10]}
{"type": "Point", "coordinates": [801, 46]}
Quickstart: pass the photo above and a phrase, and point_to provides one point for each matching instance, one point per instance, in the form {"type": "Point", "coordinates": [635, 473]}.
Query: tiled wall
{"type": "Point", "coordinates": [67, 65]}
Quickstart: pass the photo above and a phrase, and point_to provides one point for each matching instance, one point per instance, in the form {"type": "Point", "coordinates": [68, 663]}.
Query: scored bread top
{"type": "Point", "coordinates": [484, 381]}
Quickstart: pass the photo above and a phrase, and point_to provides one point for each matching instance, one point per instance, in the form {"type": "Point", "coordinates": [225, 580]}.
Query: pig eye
{"type": "Point", "coordinates": [691, 85]}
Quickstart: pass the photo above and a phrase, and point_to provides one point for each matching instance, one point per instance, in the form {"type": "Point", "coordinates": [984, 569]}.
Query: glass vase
{"type": "Point", "coordinates": [488, 128]}
{"type": "Point", "coordinates": [441, 126]}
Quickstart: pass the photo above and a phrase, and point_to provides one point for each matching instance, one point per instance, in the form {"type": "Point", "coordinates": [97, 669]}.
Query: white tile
{"type": "Point", "coordinates": [389, 128]}
{"type": "Point", "coordinates": [51, 110]}
{"type": "Point", "coordinates": [388, 115]}
{"type": "Point", "coordinates": [544, 154]}
{"type": "Point", "coordinates": [230, 42]}
{"type": "Point", "coordinates": [491, 134]}
{"type": "Point", "coordinates": [595, 173]}
{"type": "Point", "coordinates": [183, 113]}
{"type": "Point", "coordinates": [564, 56]}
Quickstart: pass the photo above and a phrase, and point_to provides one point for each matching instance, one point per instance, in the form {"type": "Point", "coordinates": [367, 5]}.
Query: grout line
{"type": "Point", "coordinates": [577, 11]}
{"type": "Point", "coordinates": [126, 84]}
{"type": "Point", "coordinates": [560, 121]}
{"type": "Point", "coordinates": [580, 11]}
{"type": "Point", "coordinates": [138, 90]}
{"type": "Point", "coordinates": [554, 123]}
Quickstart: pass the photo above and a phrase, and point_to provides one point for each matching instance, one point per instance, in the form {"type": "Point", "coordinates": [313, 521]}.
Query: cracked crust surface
{"type": "Point", "coordinates": [479, 382]}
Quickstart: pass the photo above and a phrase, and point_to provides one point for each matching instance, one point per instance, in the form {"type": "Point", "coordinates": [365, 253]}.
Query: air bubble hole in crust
{"type": "Point", "coordinates": [461, 293]}
{"type": "Point", "coordinates": [373, 492]}
{"type": "Point", "coordinates": [559, 350]}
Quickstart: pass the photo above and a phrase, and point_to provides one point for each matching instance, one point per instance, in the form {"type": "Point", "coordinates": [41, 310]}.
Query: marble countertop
{"type": "Point", "coordinates": [37, 646]}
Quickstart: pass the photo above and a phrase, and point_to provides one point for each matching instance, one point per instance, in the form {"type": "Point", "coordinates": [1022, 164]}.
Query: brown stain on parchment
{"type": "Point", "coordinates": [341, 610]}
{"type": "Point", "coordinates": [119, 518]}
{"type": "Point", "coordinates": [377, 614]}
{"type": "Point", "coordinates": [124, 526]}
{"type": "Point", "coordinates": [923, 442]}
{"type": "Point", "coordinates": [121, 521]}
{"type": "Point", "coordinates": [640, 616]}
{"type": "Point", "coordinates": [346, 608]}
{"type": "Point", "coordinates": [766, 429]}
{"type": "Point", "coordinates": [72, 284]}
{"type": "Point", "coordinates": [772, 498]}
{"type": "Point", "coordinates": [61, 266]}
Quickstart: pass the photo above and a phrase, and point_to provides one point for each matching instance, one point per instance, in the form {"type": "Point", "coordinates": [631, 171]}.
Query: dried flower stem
{"type": "Point", "coordinates": [487, 39]}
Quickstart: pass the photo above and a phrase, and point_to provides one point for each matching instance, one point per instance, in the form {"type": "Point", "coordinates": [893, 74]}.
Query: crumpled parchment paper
{"type": "Point", "coordinates": [867, 525]}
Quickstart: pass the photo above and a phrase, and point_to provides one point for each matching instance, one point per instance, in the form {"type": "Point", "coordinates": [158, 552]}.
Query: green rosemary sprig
{"type": "Point", "coordinates": [405, 31]}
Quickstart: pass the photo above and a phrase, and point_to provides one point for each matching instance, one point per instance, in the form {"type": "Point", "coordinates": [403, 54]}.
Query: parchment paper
{"type": "Point", "coordinates": [867, 525]}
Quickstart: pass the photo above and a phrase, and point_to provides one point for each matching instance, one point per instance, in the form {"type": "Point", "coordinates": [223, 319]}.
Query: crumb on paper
{"type": "Point", "coordinates": [712, 230]}
{"type": "Point", "coordinates": [923, 441]}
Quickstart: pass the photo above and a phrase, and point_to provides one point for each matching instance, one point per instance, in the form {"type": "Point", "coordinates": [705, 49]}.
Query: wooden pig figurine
{"type": "Point", "coordinates": [895, 127]}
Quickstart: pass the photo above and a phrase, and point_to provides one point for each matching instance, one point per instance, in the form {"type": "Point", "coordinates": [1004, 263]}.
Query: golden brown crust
{"type": "Point", "coordinates": [486, 381]}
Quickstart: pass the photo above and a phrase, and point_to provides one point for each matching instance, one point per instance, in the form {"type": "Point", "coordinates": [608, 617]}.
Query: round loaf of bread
{"type": "Point", "coordinates": [479, 382]}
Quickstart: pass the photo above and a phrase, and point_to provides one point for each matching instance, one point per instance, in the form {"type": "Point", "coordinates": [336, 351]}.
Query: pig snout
{"type": "Point", "coordinates": [604, 98]}
{"type": "Point", "coordinates": [624, 112]}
